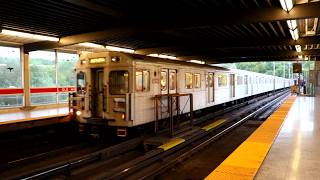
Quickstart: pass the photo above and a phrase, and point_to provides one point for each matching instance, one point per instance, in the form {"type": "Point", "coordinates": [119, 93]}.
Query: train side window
{"type": "Point", "coordinates": [163, 80]}
{"type": "Point", "coordinates": [188, 80]}
{"type": "Point", "coordinates": [197, 80]}
{"type": "Point", "coordinates": [81, 84]}
{"type": "Point", "coordinates": [222, 80]}
{"type": "Point", "coordinates": [239, 80]}
{"type": "Point", "coordinates": [246, 79]}
{"type": "Point", "coordinates": [172, 80]}
{"type": "Point", "coordinates": [118, 82]}
{"type": "Point", "coordinates": [142, 80]}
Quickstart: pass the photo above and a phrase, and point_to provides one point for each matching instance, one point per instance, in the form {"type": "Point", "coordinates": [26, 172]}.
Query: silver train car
{"type": "Point", "coordinates": [118, 89]}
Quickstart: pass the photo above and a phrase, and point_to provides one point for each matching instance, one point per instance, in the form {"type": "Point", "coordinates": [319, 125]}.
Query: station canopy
{"type": "Point", "coordinates": [214, 31]}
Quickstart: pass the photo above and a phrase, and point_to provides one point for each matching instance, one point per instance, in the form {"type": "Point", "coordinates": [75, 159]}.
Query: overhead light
{"type": "Point", "coordinates": [91, 45]}
{"type": "Point", "coordinates": [197, 61]}
{"type": "Point", "coordinates": [306, 58]}
{"type": "Point", "coordinates": [300, 56]}
{"type": "Point", "coordinates": [28, 35]}
{"type": "Point", "coordinates": [153, 55]}
{"type": "Point", "coordinates": [162, 56]}
{"type": "Point", "coordinates": [287, 5]}
{"type": "Point", "coordinates": [298, 48]}
{"type": "Point", "coordinates": [292, 24]}
{"type": "Point", "coordinates": [294, 34]}
{"type": "Point", "coordinates": [118, 49]}
{"type": "Point", "coordinates": [167, 57]}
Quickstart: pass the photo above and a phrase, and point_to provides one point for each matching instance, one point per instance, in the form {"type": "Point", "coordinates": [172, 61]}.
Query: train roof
{"type": "Point", "coordinates": [156, 59]}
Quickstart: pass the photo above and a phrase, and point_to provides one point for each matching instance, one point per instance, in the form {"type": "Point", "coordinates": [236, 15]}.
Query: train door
{"type": "Point", "coordinates": [168, 81]}
{"type": "Point", "coordinates": [232, 85]}
{"type": "Point", "coordinates": [211, 87]}
{"type": "Point", "coordinates": [97, 94]}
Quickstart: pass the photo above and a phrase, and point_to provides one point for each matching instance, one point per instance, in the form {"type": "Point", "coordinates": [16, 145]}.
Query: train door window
{"type": "Point", "coordinates": [81, 84]}
{"type": "Point", "coordinates": [197, 80]}
{"type": "Point", "coordinates": [118, 82]}
{"type": "Point", "coordinates": [139, 81]}
{"type": "Point", "coordinates": [211, 87]}
{"type": "Point", "coordinates": [172, 80]}
{"type": "Point", "coordinates": [142, 80]}
{"type": "Point", "coordinates": [188, 81]}
{"type": "Point", "coordinates": [163, 81]}
{"type": "Point", "coordinates": [232, 85]}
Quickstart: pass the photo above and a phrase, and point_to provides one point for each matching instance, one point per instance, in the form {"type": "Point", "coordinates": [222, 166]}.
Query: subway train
{"type": "Point", "coordinates": [118, 89]}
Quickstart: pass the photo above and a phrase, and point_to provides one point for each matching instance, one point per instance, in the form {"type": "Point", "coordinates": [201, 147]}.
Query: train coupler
{"type": "Point", "coordinates": [122, 131]}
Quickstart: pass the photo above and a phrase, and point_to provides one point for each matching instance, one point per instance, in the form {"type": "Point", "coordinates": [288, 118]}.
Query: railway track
{"type": "Point", "coordinates": [128, 160]}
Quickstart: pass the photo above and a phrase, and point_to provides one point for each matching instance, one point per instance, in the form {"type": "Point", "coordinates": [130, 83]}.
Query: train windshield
{"type": "Point", "coordinates": [81, 84]}
{"type": "Point", "coordinates": [118, 82]}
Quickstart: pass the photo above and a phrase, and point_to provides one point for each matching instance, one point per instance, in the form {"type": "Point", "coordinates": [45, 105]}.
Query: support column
{"type": "Point", "coordinates": [317, 78]}
{"type": "Point", "coordinates": [26, 80]}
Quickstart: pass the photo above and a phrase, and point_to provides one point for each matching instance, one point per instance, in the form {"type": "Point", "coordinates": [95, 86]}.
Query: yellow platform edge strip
{"type": "Point", "coordinates": [213, 125]}
{"type": "Point", "coordinates": [244, 162]}
{"type": "Point", "coordinates": [172, 143]}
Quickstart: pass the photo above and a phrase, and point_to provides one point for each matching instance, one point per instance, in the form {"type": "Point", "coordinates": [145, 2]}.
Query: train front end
{"type": "Point", "coordinates": [103, 98]}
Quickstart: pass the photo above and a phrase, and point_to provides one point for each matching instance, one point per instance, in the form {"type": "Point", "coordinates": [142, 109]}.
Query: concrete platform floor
{"type": "Point", "coordinates": [29, 115]}
{"type": "Point", "coordinates": [295, 154]}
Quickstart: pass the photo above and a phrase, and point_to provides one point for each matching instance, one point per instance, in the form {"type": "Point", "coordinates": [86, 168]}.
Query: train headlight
{"type": "Point", "coordinates": [123, 116]}
{"type": "Point", "coordinates": [78, 113]}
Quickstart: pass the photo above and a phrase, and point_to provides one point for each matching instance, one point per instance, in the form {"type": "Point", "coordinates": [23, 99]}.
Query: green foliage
{"type": "Point", "coordinates": [10, 79]}
{"type": "Point", "coordinates": [281, 68]}
{"type": "Point", "coordinates": [42, 73]}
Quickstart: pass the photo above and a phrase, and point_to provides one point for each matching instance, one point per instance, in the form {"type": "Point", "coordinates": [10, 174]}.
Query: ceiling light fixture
{"type": "Point", "coordinates": [162, 56]}
{"type": "Point", "coordinates": [28, 35]}
{"type": "Point", "coordinates": [91, 45]}
{"type": "Point", "coordinates": [118, 49]}
{"type": "Point", "coordinates": [293, 28]}
{"type": "Point", "coordinates": [196, 61]}
{"type": "Point", "coordinates": [298, 48]}
{"type": "Point", "coordinates": [287, 5]}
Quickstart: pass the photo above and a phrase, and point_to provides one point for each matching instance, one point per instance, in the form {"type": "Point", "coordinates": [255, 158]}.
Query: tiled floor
{"type": "Point", "coordinates": [295, 153]}
{"type": "Point", "coordinates": [21, 116]}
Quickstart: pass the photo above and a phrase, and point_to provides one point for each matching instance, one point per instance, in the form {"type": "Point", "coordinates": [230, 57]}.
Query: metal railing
{"type": "Point", "coordinates": [172, 102]}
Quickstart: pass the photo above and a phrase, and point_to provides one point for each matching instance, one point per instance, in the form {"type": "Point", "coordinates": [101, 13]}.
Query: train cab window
{"type": "Point", "coordinates": [239, 80]}
{"type": "Point", "coordinates": [118, 82]}
{"type": "Point", "coordinates": [142, 80]}
{"type": "Point", "coordinates": [222, 80]}
{"type": "Point", "coordinates": [81, 84]}
{"type": "Point", "coordinates": [188, 81]}
{"type": "Point", "coordinates": [172, 80]}
{"type": "Point", "coordinates": [163, 80]}
{"type": "Point", "coordinates": [197, 80]}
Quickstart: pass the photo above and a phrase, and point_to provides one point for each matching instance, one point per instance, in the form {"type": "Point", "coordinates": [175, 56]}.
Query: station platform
{"type": "Point", "coordinates": [295, 153]}
{"type": "Point", "coordinates": [32, 118]}
{"type": "Point", "coordinates": [285, 146]}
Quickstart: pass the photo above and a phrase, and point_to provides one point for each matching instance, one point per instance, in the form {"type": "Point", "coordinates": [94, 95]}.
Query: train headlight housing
{"type": "Point", "coordinates": [78, 113]}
